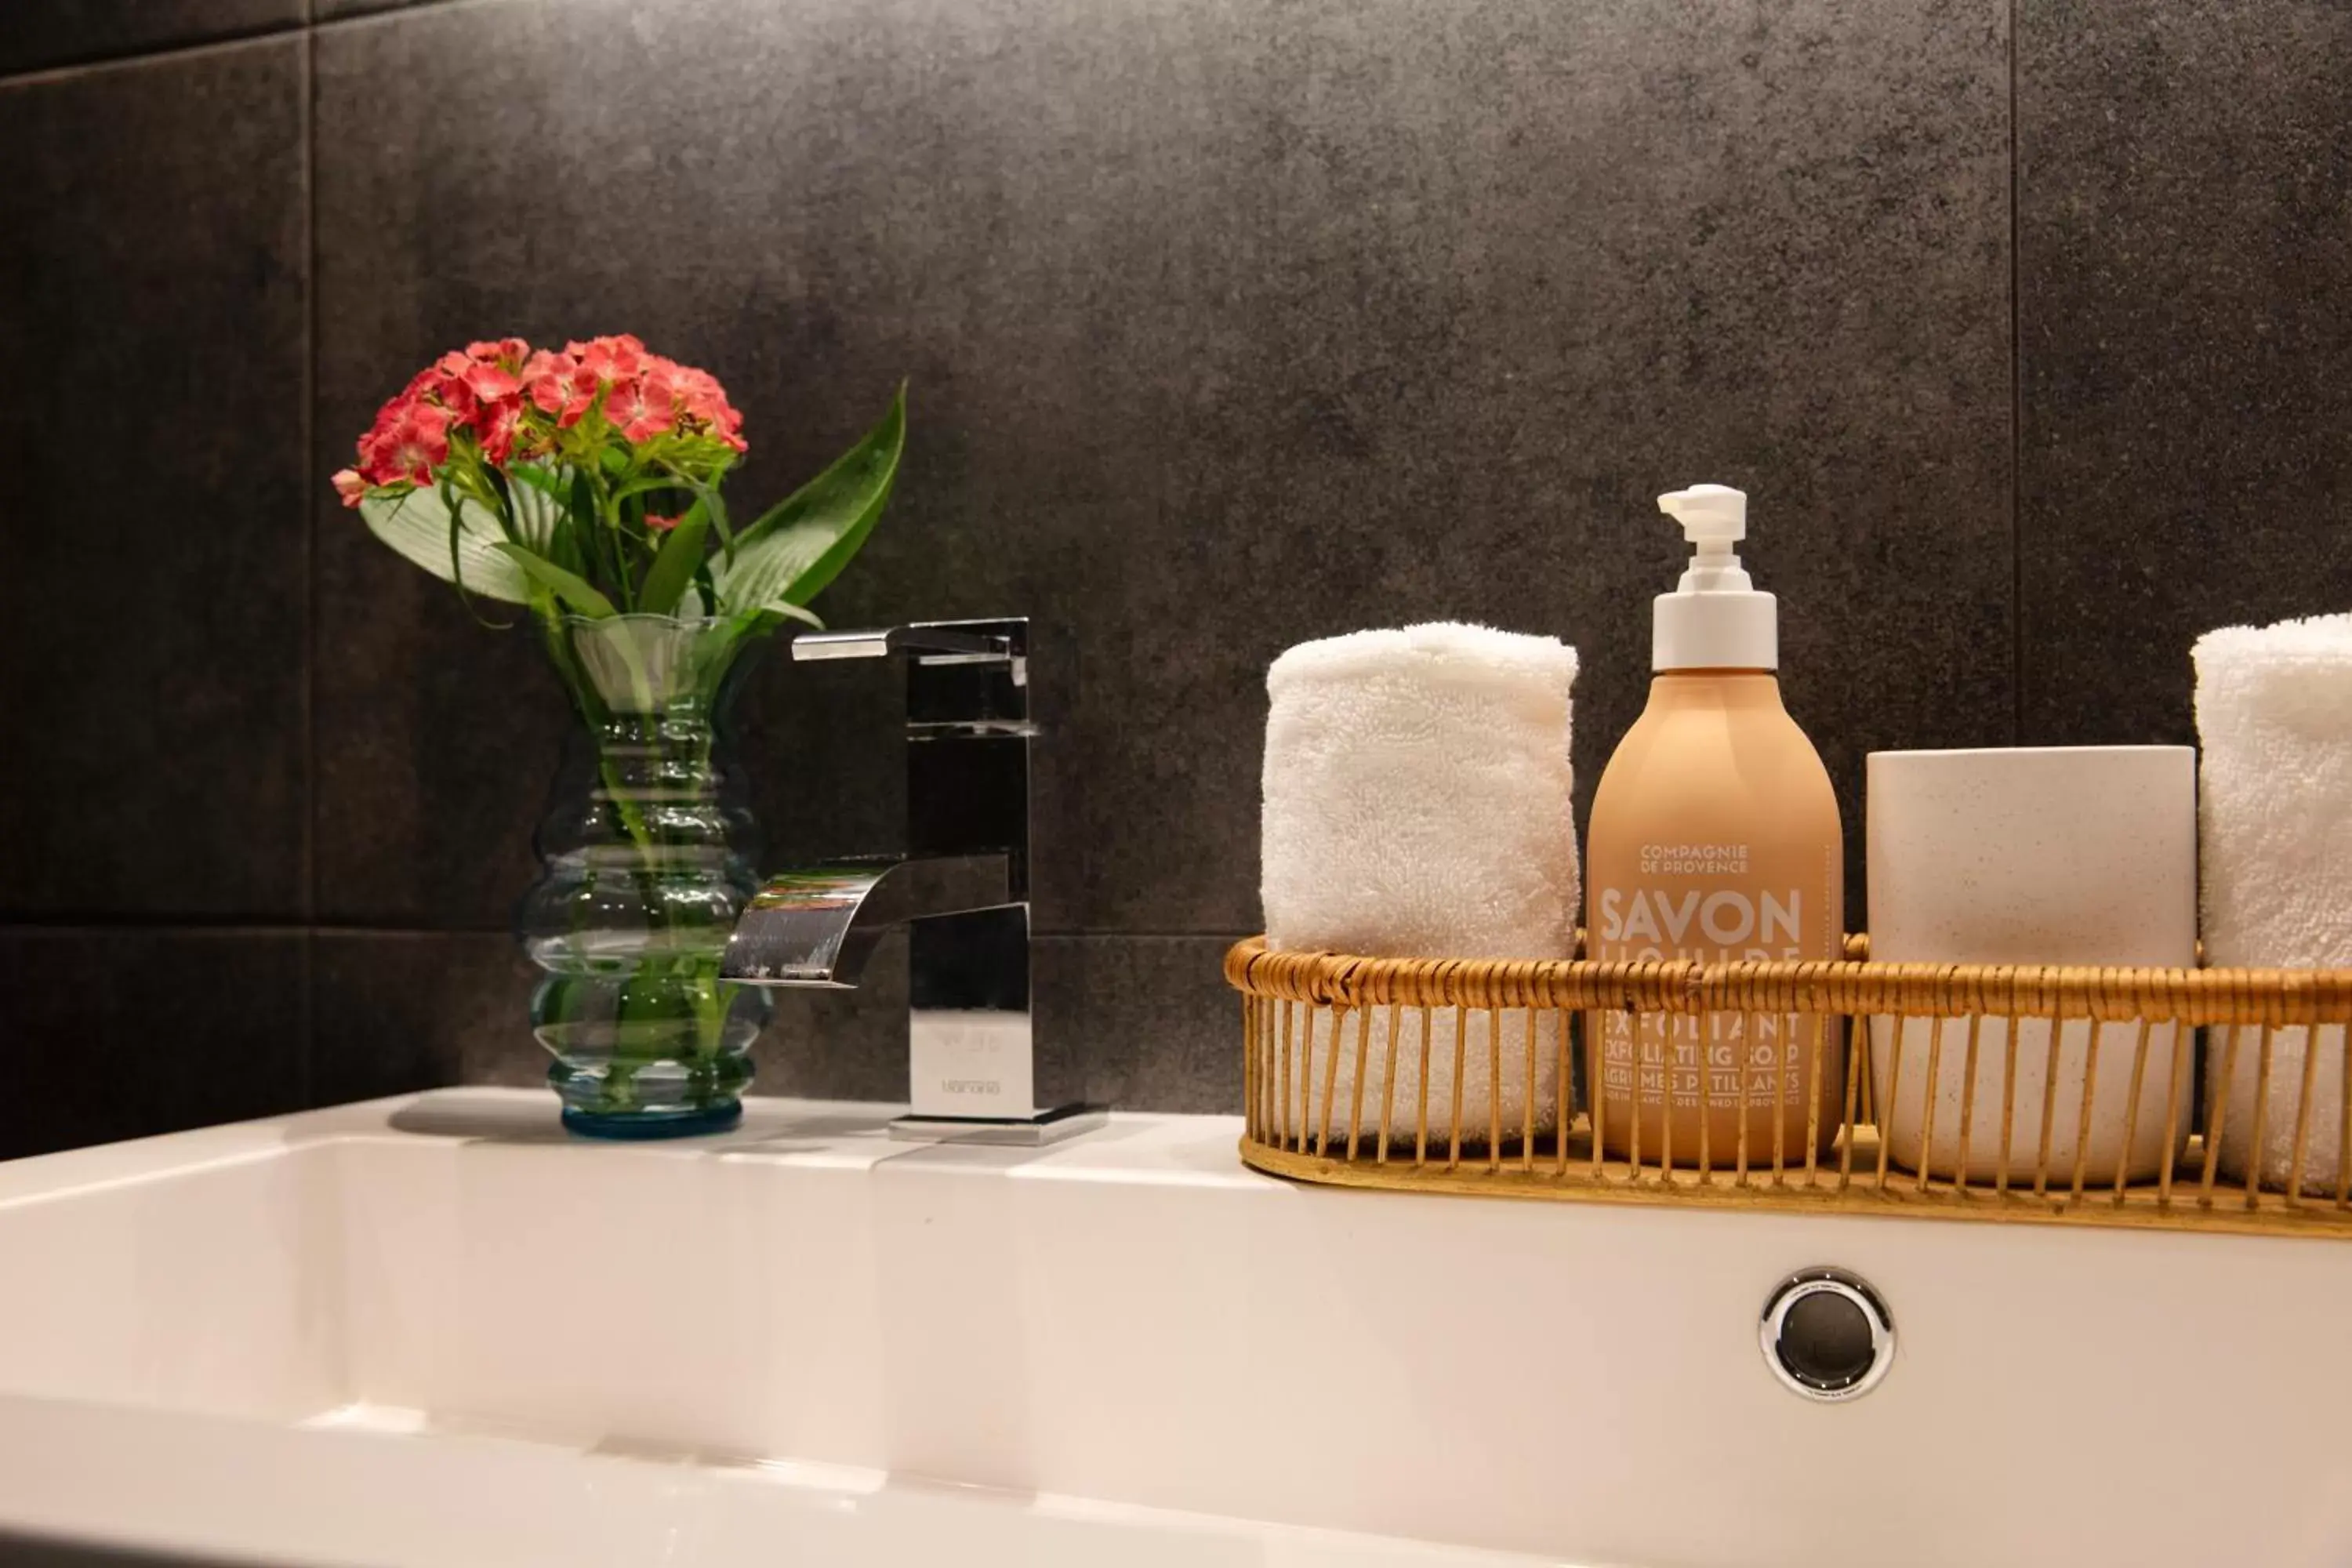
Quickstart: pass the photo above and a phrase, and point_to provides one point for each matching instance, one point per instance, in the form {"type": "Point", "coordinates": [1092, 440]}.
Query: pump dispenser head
{"type": "Point", "coordinates": [1715, 618]}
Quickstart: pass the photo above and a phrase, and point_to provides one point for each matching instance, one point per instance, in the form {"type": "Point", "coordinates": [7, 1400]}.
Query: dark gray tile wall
{"type": "Point", "coordinates": [1228, 322]}
{"type": "Point", "coordinates": [123, 1032]}
{"type": "Point", "coordinates": [152, 645]}
{"type": "Point", "coordinates": [2184, 265]}
{"type": "Point", "coordinates": [1374, 316]}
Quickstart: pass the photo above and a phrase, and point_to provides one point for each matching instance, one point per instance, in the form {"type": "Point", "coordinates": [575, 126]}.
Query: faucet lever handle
{"type": "Point", "coordinates": [956, 641]}
{"type": "Point", "coordinates": [964, 679]}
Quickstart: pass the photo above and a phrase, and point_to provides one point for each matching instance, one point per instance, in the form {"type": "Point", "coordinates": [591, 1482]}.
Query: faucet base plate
{"type": "Point", "coordinates": [1018, 1133]}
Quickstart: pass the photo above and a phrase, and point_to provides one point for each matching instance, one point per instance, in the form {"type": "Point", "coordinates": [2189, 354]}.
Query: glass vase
{"type": "Point", "coordinates": [648, 853]}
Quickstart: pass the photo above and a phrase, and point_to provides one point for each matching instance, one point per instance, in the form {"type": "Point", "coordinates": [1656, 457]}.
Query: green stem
{"type": "Point", "coordinates": [608, 514]}
{"type": "Point", "coordinates": [632, 819]}
{"type": "Point", "coordinates": [712, 996]}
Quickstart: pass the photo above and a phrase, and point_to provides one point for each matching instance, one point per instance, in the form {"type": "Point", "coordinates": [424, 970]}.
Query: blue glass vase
{"type": "Point", "coordinates": [648, 853]}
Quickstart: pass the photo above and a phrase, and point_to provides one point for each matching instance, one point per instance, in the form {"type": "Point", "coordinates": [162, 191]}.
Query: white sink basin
{"type": "Point", "coordinates": [435, 1330]}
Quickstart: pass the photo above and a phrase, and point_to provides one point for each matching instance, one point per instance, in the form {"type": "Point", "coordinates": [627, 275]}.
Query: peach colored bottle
{"type": "Point", "coordinates": [1714, 836]}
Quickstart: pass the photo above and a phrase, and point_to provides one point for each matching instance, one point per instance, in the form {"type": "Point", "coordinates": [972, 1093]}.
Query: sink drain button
{"type": "Point", "coordinates": [1827, 1335]}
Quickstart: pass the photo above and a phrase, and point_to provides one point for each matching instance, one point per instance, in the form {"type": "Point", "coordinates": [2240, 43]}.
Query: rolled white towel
{"type": "Point", "coordinates": [1417, 805]}
{"type": "Point", "coordinates": [2274, 831]}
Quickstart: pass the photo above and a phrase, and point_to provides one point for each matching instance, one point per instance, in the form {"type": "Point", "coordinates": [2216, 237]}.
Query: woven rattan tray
{"type": "Point", "coordinates": [1307, 1017]}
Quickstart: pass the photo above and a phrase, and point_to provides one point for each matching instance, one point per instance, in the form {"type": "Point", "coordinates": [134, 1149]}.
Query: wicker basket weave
{"type": "Point", "coordinates": [1305, 1015]}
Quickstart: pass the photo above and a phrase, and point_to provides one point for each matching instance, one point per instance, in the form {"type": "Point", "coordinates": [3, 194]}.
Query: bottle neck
{"type": "Point", "coordinates": [1718, 690]}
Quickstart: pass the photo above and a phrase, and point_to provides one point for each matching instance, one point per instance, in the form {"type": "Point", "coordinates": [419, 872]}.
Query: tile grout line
{"type": "Point", "coordinates": [36, 76]}
{"type": "Point", "coordinates": [85, 926]}
{"type": "Point", "coordinates": [392, 13]}
{"type": "Point", "coordinates": [2017, 644]}
{"type": "Point", "coordinates": [44, 76]}
{"type": "Point", "coordinates": [307, 514]}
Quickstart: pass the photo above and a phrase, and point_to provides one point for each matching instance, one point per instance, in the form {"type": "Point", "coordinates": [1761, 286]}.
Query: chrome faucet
{"type": "Point", "coordinates": [962, 890]}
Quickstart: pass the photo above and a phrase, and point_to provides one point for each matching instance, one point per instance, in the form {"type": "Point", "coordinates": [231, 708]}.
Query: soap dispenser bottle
{"type": "Point", "coordinates": [1714, 836]}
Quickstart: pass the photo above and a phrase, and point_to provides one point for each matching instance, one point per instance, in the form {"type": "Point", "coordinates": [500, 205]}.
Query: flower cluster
{"type": "Point", "coordinates": [505, 402]}
{"type": "Point", "coordinates": [586, 482]}
{"type": "Point", "coordinates": [644, 396]}
{"type": "Point", "coordinates": [476, 393]}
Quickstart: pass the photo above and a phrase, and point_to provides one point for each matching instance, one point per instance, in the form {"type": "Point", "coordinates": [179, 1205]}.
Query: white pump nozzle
{"type": "Point", "coordinates": [1715, 618]}
{"type": "Point", "coordinates": [1708, 513]}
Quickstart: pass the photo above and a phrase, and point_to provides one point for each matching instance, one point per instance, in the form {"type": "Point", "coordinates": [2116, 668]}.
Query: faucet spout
{"type": "Point", "coordinates": [817, 926]}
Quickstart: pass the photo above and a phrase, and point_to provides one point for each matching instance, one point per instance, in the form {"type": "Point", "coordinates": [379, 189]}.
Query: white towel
{"type": "Point", "coordinates": [2274, 831]}
{"type": "Point", "coordinates": [1417, 805]}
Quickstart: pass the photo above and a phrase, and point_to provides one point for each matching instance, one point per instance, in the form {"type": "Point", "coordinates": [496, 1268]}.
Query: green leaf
{"type": "Point", "coordinates": [795, 613]}
{"type": "Point", "coordinates": [600, 551]}
{"type": "Point", "coordinates": [674, 564]}
{"type": "Point", "coordinates": [419, 526]}
{"type": "Point", "coordinates": [706, 494]}
{"type": "Point", "coordinates": [505, 494]}
{"type": "Point", "coordinates": [573, 589]}
{"type": "Point", "coordinates": [646, 485]}
{"type": "Point", "coordinates": [564, 546]}
{"type": "Point", "coordinates": [452, 507]}
{"type": "Point", "coordinates": [536, 500]}
{"type": "Point", "coordinates": [546, 478]}
{"type": "Point", "coordinates": [804, 541]}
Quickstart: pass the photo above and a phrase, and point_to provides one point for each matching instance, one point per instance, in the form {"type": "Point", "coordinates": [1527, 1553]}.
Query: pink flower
{"type": "Point", "coordinates": [491, 382]}
{"type": "Point", "coordinates": [612, 359]}
{"type": "Point", "coordinates": [450, 392]}
{"type": "Point", "coordinates": [350, 487]}
{"type": "Point", "coordinates": [640, 407]}
{"type": "Point", "coordinates": [375, 447]}
{"type": "Point", "coordinates": [416, 443]}
{"type": "Point", "coordinates": [498, 429]}
{"type": "Point", "coordinates": [703, 403]}
{"type": "Point", "coordinates": [471, 385]}
{"type": "Point", "coordinates": [560, 385]}
{"type": "Point", "coordinates": [506, 353]}
{"type": "Point", "coordinates": [425, 384]}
